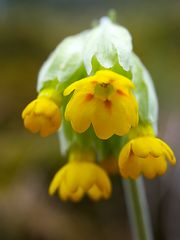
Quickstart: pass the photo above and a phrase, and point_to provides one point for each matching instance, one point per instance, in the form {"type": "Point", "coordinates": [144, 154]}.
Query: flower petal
{"type": "Point", "coordinates": [79, 111]}
{"type": "Point", "coordinates": [56, 182]}
{"type": "Point", "coordinates": [168, 152]}
{"type": "Point", "coordinates": [45, 107]}
{"type": "Point", "coordinates": [31, 124]}
{"type": "Point", "coordinates": [151, 166]}
{"type": "Point", "coordinates": [85, 84]}
{"type": "Point", "coordinates": [63, 193]}
{"type": "Point", "coordinates": [113, 117]}
{"type": "Point", "coordinates": [103, 183]}
{"type": "Point", "coordinates": [28, 108]}
{"type": "Point", "coordinates": [130, 168]}
{"type": "Point", "coordinates": [77, 195]}
{"type": "Point", "coordinates": [95, 193]}
{"type": "Point", "coordinates": [117, 80]}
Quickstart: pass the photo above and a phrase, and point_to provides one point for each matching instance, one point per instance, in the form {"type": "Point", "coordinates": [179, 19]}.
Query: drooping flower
{"type": "Point", "coordinates": [79, 177]}
{"type": "Point", "coordinates": [145, 155]}
{"type": "Point", "coordinates": [43, 114]}
{"type": "Point", "coordinates": [105, 100]}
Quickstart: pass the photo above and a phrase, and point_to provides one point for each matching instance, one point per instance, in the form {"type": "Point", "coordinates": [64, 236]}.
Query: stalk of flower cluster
{"type": "Point", "coordinates": [111, 94]}
{"type": "Point", "coordinates": [138, 209]}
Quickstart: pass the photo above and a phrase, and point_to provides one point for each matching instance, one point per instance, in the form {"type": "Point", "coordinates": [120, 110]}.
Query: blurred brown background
{"type": "Point", "coordinates": [29, 31]}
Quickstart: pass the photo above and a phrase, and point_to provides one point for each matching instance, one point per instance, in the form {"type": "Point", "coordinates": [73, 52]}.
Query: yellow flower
{"type": "Point", "coordinates": [42, 115]}
{"type": "Point", "coordinates": [145, 155]}
{"type": "Point", "coordinates": [79, 177]}
{"type": "Point", "coordinates": [106, 101]}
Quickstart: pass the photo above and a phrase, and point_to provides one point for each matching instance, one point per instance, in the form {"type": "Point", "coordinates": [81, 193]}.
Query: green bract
{"type": "Point", "coordinates": [108, 43]}
{"type": "Point", "coordinates": [144, 92]}
{"type": "Point", "coordinates": [64, 62]}
{"type": "Point", "coordinates": [103, 46]}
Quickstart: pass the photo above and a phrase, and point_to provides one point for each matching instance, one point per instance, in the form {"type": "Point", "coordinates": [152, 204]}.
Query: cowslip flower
{"type": "Point", "coordinates": [145, 155]}
{"type": "Point", "coordinates": [108, 103]}
{"type": "Point", "coordinates": [105, 100]}
{"type": "Point", "coordinates": [43, 114]}
{"type": "Point", "coordinates": [79, 177]}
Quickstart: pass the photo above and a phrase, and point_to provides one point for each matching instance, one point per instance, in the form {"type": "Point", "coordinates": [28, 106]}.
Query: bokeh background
{"type": "Point", "coordinates": [29, 31]}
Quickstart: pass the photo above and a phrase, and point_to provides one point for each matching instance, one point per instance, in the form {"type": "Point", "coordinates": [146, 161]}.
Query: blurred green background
{"type": "Point", "coordinates": [29, 31]}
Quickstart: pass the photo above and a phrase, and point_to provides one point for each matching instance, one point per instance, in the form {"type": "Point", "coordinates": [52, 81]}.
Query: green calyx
{"type": "Point", "coordinates": [51, 94]}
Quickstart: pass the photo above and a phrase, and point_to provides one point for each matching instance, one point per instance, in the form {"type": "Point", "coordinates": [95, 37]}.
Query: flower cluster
{"type": "Point", "coordinates": [102, 95]}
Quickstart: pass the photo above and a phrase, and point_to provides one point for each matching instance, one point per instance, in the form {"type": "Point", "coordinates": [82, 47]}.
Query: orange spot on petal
{"type": "Point", "coordinates": [121, 92]}
{"type": "Point", "coordinates": [89, 97]}
{"type": "Point", "coordinates": [108, 103]}
{"type": "Point", "coordinates": [94, 82]}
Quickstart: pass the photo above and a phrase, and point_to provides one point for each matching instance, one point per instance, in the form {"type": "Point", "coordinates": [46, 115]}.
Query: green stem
{"type": "Point", "coordinates": [112, 15]}
{"type": "Point", "coordinates": [138, 209]}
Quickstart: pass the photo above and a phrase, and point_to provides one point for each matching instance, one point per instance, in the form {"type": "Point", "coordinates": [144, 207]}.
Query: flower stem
{"type": "Point", "coordinates": [138, 209]}
{"type": "Point", "coordinates": [112, 15]}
